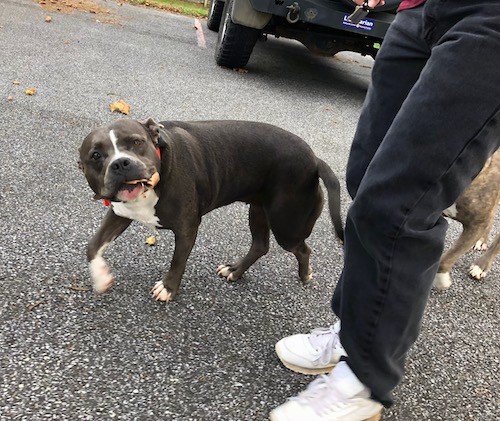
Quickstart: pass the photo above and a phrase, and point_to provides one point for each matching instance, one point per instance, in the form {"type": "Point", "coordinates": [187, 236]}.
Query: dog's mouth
{"type": "Point", "coordinates": [133, 189]}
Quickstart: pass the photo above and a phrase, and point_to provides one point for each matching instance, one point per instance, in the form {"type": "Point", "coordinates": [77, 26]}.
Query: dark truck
{"type": "Point", "coordinates": [323, 26]}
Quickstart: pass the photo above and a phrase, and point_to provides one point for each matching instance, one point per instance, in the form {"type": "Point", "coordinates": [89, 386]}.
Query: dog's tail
{"type": "Point", "coordinates": [332, 185]}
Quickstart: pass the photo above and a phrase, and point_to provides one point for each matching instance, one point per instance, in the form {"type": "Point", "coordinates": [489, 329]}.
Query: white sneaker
{"type": "Point", "coordinates": [313, 353]}
{"type": "Point", "coordinates": [339, 396]}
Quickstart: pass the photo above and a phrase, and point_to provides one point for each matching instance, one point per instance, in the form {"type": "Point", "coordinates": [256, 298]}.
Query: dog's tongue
{"type": "Point", "coordinates": [131, 193]}
{"type": "Point", "coordinates": [134, 188]}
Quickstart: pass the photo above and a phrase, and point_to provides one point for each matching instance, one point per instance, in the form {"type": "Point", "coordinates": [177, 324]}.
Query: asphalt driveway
{"type": "Point", "coordinates": [66, 353]}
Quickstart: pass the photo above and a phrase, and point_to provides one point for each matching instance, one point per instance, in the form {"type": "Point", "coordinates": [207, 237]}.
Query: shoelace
{"type": "Point", "coordinates": [320, 395]}
{"type": "Point", "coordinates": [333, 342]}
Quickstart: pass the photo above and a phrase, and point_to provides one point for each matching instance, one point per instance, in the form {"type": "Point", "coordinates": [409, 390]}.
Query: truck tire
{"type": "Point", "coordinates": [235, 42]}
{"type": "Point", "coordinates": [215, 14]}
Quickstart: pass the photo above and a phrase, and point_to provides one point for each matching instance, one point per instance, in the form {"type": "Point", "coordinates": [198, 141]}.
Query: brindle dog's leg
{"type": "Point", "coordinates": [482, 265]}
{"type": "Point", "coordinates": [482, 242]}
{"type": "Point", "coordinates": [467, 239]}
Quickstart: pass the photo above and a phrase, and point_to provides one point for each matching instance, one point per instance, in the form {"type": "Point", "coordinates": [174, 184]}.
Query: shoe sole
{"type": "Point", "coordinates": [376, 417]}
{"type": "Point", "coordinates": [304, 370]}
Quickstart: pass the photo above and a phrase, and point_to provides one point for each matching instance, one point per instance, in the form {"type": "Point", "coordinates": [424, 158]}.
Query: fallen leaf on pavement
{"type": "Point", "coordinates": [30, 307]}
{"type": "Point", "coordinates": [120, 106]}
{"type": "Point", "coordinates": [70, 6]}
{"type": "Point", "coordinates": [30, 91]}
{"type": "Point", "coordinates": [79, 288]}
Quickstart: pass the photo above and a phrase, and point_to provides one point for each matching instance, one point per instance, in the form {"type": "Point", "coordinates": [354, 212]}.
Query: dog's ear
{"type": "Point", "coordinates": [153, 128]}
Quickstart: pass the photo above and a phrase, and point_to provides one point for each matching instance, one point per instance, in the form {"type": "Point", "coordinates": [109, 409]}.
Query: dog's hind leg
{"type": "Point", "coordinates": [482, 242]}
{"type": "Point", "coordinates": [303, 252]}
{"type": "Point", "coordinates": [467, 239]}
{"type": "Point", "coordinates": [259, 227]}
{"type": "Point", "coordinates": [482, 265]}
{"type": "Point", "coordinates": [293, 222]}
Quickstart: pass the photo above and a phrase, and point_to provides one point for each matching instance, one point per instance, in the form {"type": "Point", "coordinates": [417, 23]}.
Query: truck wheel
{"type": "Point", "coordinates": [215, 14]}
{"type": "Point", "coordinates": [235, 42]}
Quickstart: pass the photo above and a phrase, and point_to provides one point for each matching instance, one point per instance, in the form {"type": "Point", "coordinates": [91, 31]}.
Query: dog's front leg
{"type": "Point", "coordinates": [112, 226]}
{"type": "Point", "coordinates": [166, 289]}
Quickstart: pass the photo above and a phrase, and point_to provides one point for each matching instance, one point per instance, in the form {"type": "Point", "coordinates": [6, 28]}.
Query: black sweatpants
{"type": "Point", "coordinates": [430, 120]}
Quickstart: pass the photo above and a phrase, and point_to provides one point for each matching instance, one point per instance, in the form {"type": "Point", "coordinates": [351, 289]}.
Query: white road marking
{"type": "Point", "coordinates": [199, 34]}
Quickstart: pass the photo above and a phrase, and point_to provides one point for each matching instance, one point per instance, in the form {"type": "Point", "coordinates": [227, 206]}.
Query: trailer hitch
{"type": "Point", "coordinates": [293, 12]}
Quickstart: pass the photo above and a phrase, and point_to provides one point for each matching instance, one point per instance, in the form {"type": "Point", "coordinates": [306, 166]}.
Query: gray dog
{"type": "Point", "coordinates": [170, 174]}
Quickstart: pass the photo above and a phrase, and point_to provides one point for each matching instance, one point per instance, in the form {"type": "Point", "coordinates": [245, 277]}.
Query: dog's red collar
{"type": "Point", "coordinates": [107, 202]}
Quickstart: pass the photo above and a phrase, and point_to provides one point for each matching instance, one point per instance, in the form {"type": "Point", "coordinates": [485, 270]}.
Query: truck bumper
{"type": "Point", "coordinates": [328, 14]}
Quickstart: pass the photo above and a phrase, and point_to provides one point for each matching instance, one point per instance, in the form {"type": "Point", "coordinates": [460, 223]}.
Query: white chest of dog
{"type": "Point", "coordinates": [141, 210]}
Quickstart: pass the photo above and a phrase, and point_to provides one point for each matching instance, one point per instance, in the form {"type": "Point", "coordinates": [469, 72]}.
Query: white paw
{"type": "Point", "coordinates": [480, 245]}
{"type": "Point", "coordinates": [160, 293]}
{"type": "Point", "coordinates": [451, 212]}
{"type": "Point", "coordinates": [101, 275]}
{"type": "Point", "coordinates": [224, 271]}
{"type": "Point", "coordinates": [442, 281]}
{"type": "Point", "coordinates": [309, 276]}
{"type": "Point", "coordinates": [476, 272]}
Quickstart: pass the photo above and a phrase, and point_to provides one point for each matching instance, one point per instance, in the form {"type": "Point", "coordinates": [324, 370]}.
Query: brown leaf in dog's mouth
{"type": "Point", "coordinates": [149, 183]}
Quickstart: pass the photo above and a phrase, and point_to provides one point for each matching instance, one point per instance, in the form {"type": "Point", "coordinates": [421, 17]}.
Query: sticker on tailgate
{"type": "Point", "coordinates": [364, 24]}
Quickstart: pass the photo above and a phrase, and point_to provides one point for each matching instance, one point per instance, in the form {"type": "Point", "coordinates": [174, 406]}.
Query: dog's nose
{"type": "Point", "coordinates": [121, 165]}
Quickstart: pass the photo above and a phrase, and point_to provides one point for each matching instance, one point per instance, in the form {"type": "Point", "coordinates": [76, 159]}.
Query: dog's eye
{"type": "Point", "coordinates": [96, 156]}
{"type": "Point", "coordinates": [134, 141]}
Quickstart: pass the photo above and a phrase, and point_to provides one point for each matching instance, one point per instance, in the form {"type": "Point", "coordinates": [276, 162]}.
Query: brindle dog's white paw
{"type": "Point", "coordinates": [160, 293]}
{"type": "Point", "coordinates": [442, 281]}
{"type": "Point", "coordinates": [224, 271]}
{"type": "Point", "coordinates": [480, 245]}
{"type": "Point", "coordinates": [101, 274]}
{"type": "Point", "coordinates": [477, 273]}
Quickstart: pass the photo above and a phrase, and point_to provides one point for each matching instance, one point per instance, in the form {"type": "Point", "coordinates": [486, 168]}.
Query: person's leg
{"type": "Point", "coordinates": [397, 67]}
{"type": "Point", "coordinates": [447, 127]}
